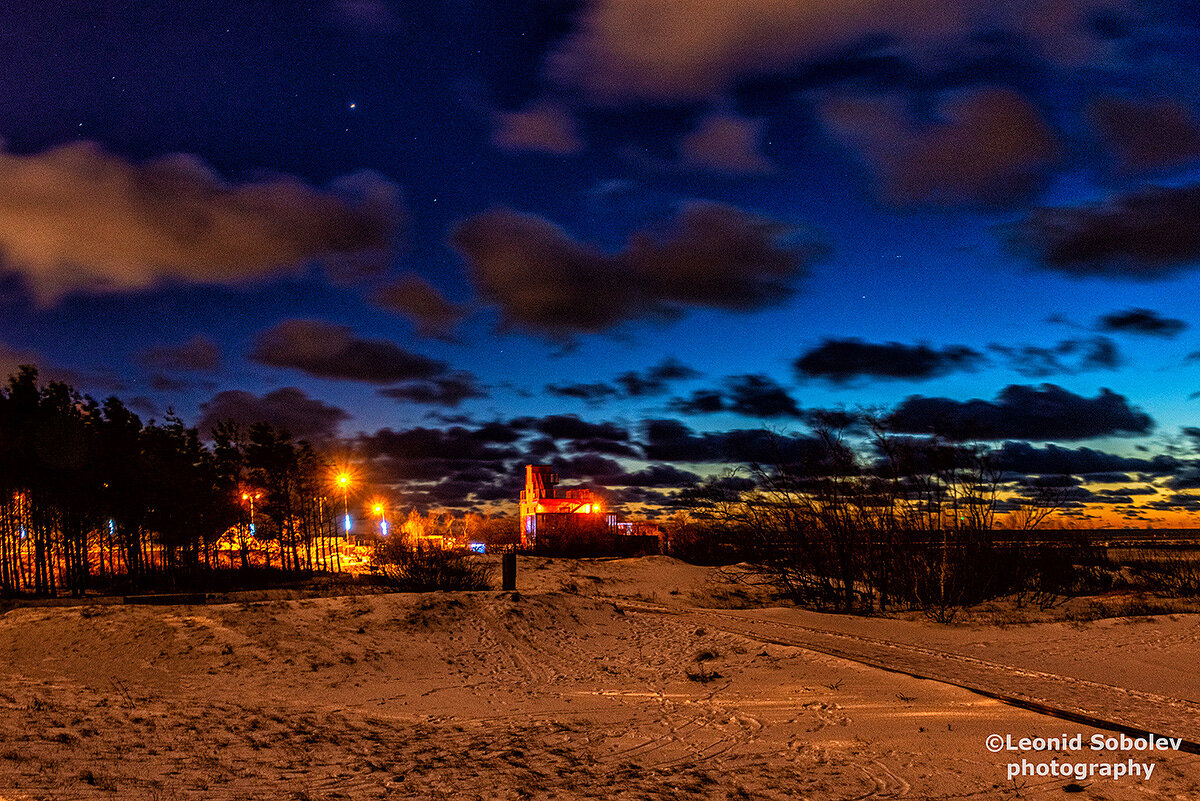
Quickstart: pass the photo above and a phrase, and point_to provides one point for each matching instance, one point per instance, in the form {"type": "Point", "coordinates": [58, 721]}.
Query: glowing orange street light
{"type": "Point", "coordinates": [343, 480]}
{"type": "Point", "coordinates": [246, 496]}
{"type": "Point", "coordinates": [383, 526]}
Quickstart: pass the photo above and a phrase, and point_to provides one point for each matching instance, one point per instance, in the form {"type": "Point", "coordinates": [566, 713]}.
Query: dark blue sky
{"type": "Point", "coordinates": [460, 235]}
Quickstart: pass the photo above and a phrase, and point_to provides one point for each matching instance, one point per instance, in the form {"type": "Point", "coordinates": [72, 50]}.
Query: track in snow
{"type": "Point", "coordinates": [1092, 703]}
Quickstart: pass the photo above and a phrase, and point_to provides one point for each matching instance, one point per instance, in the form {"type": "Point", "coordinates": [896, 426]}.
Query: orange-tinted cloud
{"type": "Point", "coordinates": [691, 49]}
{"type": "Point", "coordinates": [1147, 135]}
{"type": "Point", "coordinates": [329, 350]}
{"type": "Point", "coordinates": [543, 127]}
{"type": "Point", "coordinates": [79, 219]}
{"type": "Point", "coordinates": [710, 256]}
{"type": "Point", "coordinates": [725, 143]}
{"type": "Point", "coordinates": [990, 146]}
{"type": "Point", "coordinates": [200, 353]}
{"type": "Point", "coordinates": [423, 303]}
{"type": "Point", "coordinates": [305, 417]}
{"type": "Point", "coordinates": [12, 358]}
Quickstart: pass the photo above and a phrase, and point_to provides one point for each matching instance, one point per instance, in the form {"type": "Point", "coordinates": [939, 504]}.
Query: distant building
{"type": "Point", "coordinates": [544, 508]}
{"type": "Point", "coordinates": [574, 521]}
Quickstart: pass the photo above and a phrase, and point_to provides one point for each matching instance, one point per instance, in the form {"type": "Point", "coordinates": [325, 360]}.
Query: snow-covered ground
{"type": "Point", "coordinates": [599, 679]}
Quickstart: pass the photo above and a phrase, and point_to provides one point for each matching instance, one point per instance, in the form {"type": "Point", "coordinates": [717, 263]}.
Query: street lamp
{"type": "Point", "coordinates": [243, 541]}
{"type": "Point", "coordinates": [246, 496]}
{"type": "Point", "coordinates": [343, 481]}
{"type": "Point", "coordinates": [383, 527]}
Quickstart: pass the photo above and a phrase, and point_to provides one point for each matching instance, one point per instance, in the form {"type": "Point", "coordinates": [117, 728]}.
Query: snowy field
{"type": "Point", "coordinates": [626, 679]}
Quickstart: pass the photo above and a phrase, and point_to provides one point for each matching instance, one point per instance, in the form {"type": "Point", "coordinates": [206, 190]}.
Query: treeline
{"type": "Point", "coordinates": [90, 496]}
{"type": "Point", "coordinates": [911, 524]}
{"type": "Point", "coordinates": [442, 528]}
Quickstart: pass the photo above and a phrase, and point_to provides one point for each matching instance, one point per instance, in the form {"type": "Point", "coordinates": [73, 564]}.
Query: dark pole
{"type": "Point", "coordinates": [509, 570]}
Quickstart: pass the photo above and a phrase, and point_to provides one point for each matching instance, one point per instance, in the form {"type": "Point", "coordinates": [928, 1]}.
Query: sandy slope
{"type": "Point", "coordinates": [547, 694]}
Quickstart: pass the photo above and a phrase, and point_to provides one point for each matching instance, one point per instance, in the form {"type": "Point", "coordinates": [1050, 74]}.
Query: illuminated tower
{"type": "Point", "coordinates": [540, 501]}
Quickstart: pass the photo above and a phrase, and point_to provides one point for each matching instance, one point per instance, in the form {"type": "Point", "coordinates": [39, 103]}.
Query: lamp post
{"type": "Point", "coordinates": [246, 496]}
{"type": "Point", "coordinates": [250, 497]}
{"type": "Point", "coordinates": [383, 527]}
{"type": "Point", "coordinates": [343, 481]}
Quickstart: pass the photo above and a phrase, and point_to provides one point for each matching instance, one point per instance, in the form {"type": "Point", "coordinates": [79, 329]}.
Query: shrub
{"type": "Point", "coordinates": [417, 569]}
{"type": "Point", "coordinates": [1174, 572]}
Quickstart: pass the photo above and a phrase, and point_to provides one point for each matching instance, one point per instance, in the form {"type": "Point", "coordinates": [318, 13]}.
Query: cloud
{"type": "Point", "coordinates": [630, 384]}
{"type": "Point", "coordinates": [654, 380]}
{"type": "Point", "coordinates": [1146, 134]}
{"type": "Point", "coordinates": [445, 391]}
{"type": "Point", "coordinates": [595, 392]}
{"type": "Point", "coordinates": [989, 146]}
{"type": "Point", "coordinates": [78, 219]}
{"type": "Point", "coordinates": [656, 475]}
{"type": "Point", "coordinates": [754, 395]}
{"type": "Point", "coordinates": [1188, 474]}
{"type": "Point", "coordinates": [843, 360]}
{"type": "Point", "coordinates": [1055, 494]}
{"type": "Point", "coordinates": [542, 127]}
{"type": "Point", "coordinates": [1068, 356]}
{"type": "Point", "coordinates": [1121, 495]}
{"type": "Point", "coordinates": [710, 256]}
{"type": "Point", "coordinates": [143, 406]}
{"type": "Point", "coordinates": [497, 431]}
{"type": "Point", "coordinates": [1187, 478]}
{"type": "Point", "coordinates": [327, 350]}
{"type": "Point", "coordinates": [199, 354]}
{"type": "Point", "coordinates": [1178, 502]}
{"type": "Point", "coordinates": [671, 50]}
{"type": "Point", "coordinates": [1141, 321]}
{"type": "Point", "coordinates": [701, 401]}
{"type": "Point", "coordinates": [760, 396]}
{"type": "Point", "coordinates": [1099, 353]}
{"type": "Point", "coordinates": [605, 446]}
{"type": "Point", "coordinates": [290, 408]}
{"type": "Point", "coordinates": [430, 454]}
{"type": "Point", "coordinates": [570, 426]}
{"type": "Point", "coordinates": [1047, 412]}
{"type": "Point", "coordinates": [164, 383]}
{"type": "Point", "coordinates": [11, 360]}
{"type": "Point", "coordinates": [725, 143]}
{"type": "Point", "coordinates": [672, 441]}
{"type": "Point", "coordinates": [1111, 478]}
{"type": "Point", "coordinates": [1051, 482]}
{"type": "Point", "coordinates": [636, 385]}
{"type": "Point", "coordinates": [95, 379]}
{"type": "Point", "coordinates": [541, 448]}
{"type": "Point", "coordinates": [1025, 458]}
{"type": "Point", "coordinates": [588, 465]}
{"type": "Point", "coordinates": [1148, 235]}
{"type": "Point", "coordinates": [422, 303]}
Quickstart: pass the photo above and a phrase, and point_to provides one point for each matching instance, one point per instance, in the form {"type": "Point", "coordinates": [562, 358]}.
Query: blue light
{"type": "Point", "coordinates": [347, 524]}
{"type": "Point", "coordinates": [112, 527]}
{"type": "Point", "coordinates": [383, 527]}
{"type": "Point", "coordinates": [478, 547]}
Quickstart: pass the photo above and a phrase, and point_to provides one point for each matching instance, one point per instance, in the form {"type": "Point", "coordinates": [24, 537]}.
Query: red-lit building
{"type": "Point", "coordinates": [542, 506]}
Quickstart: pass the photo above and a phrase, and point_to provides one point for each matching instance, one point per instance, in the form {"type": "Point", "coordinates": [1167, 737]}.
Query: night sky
{"type": "Point", "coordinates": [621, 236]}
